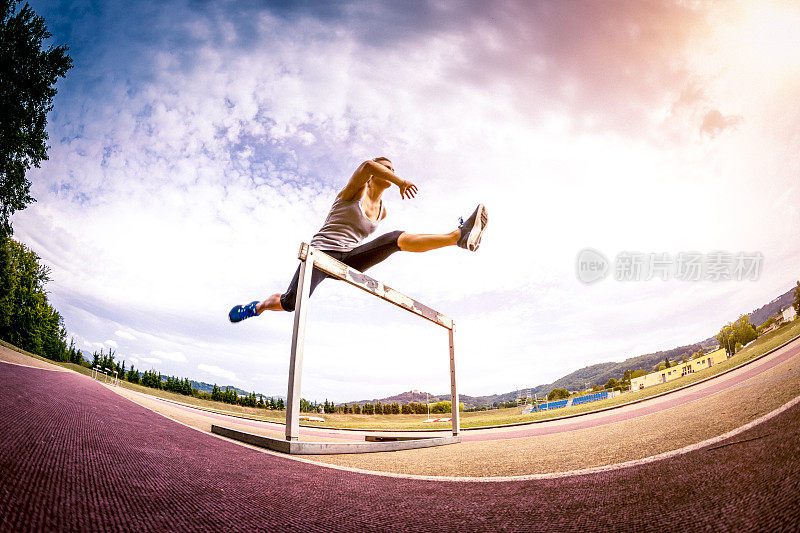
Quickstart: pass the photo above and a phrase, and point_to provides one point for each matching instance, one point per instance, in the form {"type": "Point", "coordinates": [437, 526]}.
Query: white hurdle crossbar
{"type": "Point", "coordinates": [311, 258]}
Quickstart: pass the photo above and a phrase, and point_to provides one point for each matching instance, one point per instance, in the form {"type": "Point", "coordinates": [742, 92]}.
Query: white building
{"type": "Point", "coordinates": [789, 314]}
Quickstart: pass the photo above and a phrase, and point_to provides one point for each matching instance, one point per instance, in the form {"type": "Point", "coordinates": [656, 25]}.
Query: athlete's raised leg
{"type": "Point", "coordinates": [468, 235]}
{"type": "Point", "coordinates": [411, 242]}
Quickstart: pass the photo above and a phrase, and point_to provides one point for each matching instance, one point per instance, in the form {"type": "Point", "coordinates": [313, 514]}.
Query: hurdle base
{"type": "Point", "coordinates": [375, 443]}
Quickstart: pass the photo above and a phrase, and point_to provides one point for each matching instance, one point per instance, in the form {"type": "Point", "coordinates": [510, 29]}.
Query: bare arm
{"type": "Point", "coordinates": [358, 181]}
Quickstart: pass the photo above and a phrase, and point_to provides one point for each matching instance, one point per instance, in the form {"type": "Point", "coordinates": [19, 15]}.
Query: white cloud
{"type": "Point", "coordinates": [170, 356]}
{"type": "Point", "coordinates": [196, 181]}
{"type": "Point", "coordinates": [217, 371]}
{"type": "Point", "coordinates": [111, 343]}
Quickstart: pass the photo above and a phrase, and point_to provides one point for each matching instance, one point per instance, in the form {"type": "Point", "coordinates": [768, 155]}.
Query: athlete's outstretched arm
{"type": "Point", "coordinates": [358, 181]}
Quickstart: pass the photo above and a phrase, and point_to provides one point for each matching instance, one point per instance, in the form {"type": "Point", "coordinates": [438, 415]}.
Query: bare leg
{"type": "Point", "coordinates": [273, 303]}
{"type": "Point", "coordinates": [409, 242]}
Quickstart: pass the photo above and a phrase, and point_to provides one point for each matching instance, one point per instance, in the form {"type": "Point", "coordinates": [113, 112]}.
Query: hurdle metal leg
{"type": "Point", "coordinates": [298, 340]}
{"type": "Point", "coordinates": [453, 389]}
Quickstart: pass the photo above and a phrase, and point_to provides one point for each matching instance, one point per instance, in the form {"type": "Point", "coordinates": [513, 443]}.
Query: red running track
{"type": "Point", "coordinates": [75, 456]}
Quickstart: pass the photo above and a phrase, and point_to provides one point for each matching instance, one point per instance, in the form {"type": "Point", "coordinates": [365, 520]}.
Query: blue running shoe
{"type": "Point", "coordinates": [240, 312]}
{"type": "Point", "coordinates": [472, 229]}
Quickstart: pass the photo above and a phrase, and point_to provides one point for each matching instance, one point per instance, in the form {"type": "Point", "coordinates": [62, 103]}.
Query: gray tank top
{"type": "Point", "coordinates": [346, 226]}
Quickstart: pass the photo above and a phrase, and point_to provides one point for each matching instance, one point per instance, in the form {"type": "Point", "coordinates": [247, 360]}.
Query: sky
{"type": "Point", "coordinates": [195, 145]}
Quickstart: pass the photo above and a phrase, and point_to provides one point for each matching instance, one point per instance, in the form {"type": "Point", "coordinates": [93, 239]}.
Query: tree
{"type": "Point", "coordinates": [28, 74]}
{"type": "Point", "coordinates": [796, 303]}
{"type": "Point", "coordinates": [611, 383]}
{"type": "Point", "coordinates": [558, 394]}
{"type": "Point", "coordinates": [27, 320]}
{"type": "Point", "coordinates": [741, 331]}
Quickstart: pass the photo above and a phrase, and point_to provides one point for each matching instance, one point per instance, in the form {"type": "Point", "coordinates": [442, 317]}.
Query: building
{"type": "Point", "coordinates": [789, 314]}
{"type": "Point", "coordinates": [674, 372]}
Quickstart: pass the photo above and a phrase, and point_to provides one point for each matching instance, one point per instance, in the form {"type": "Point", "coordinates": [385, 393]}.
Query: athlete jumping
{"type": "Point", "coordinates": [354, 216]}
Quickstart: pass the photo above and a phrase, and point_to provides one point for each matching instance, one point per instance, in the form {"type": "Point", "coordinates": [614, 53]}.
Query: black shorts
{"type": "Point", "coordinates": [361, 258]}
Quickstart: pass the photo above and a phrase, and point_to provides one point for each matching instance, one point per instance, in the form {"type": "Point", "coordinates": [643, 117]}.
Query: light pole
{"type": "Point", "coordinates": [428, 403]}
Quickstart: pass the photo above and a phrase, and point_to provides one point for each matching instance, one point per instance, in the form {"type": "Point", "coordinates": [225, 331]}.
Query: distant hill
{"type": "Point", "coordinates": [760, 315]}
{"type": "Point", "coordinates": [208, 387]}
{"type": "Point", "coordinates": [600, 373]}
{"type": "Point", "coordinates": [597, 374]}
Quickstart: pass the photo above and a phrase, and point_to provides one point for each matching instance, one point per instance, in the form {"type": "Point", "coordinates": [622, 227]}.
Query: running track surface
{"type": "Point", "coordinates": [77, 456]}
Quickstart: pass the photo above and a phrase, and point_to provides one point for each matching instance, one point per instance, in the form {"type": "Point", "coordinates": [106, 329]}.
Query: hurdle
{"type": "Point", "coordinates": [311, 258]}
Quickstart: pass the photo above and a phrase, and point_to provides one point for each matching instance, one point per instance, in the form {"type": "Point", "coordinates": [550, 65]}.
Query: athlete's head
{"type": "Point", "coordinates": [380, 182]}
{"type": "Point", "coordinates": [385, 162]}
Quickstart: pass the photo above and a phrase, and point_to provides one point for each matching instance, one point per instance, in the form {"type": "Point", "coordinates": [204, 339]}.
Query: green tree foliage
{"type": "Point", "coordinates": [151, 379]}
{"type": "Point", "coordinates": [739, 332]}
{"type": "Point", "coordinates": [27, 319]}
{"type": "Point", "coordinates": [796, 303]}
{"type": "Point", "coordinates": [181, 386]}
{"type": "Point", "coordinates": [444, 407]}
{"type": "Point", "coordinates": [28, 73]}
{"type": "Point", "coordinates": [767, 323]}
{"type": "Point", "coordinates": [558, 394]}
{"type": "Point", "coordinates": [611, 383]}
{"type": "Point", "coordinates": [356, 409]}
{"type": "Point", "coordinates": [418, 408]}
{"type": "Point", "coordinates": [133, 375]}
{"type": "Point", "coordinates": [368, 409]}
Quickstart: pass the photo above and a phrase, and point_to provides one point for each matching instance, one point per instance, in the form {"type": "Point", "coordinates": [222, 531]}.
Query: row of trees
{"type": "Point", "coordinates": [27, 320]}
{"type": "Point", "coordinates": [733, 336]}
{"type": "Point", "coordinates": [393, 408]}
{"type": "Point", "coordinates": [229, 395]}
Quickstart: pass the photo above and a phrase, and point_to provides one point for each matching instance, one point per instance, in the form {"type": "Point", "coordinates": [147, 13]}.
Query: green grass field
{"type": "Point", "coordinates": [481, 418]}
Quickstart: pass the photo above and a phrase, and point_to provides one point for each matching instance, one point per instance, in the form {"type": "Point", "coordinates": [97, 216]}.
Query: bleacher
{"type": "Point", "coordinates": [552, 405]}
{"type": "Point", "coordinates": [573, 401]}
{"type": "Point", "coordinates": [590, 398]}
